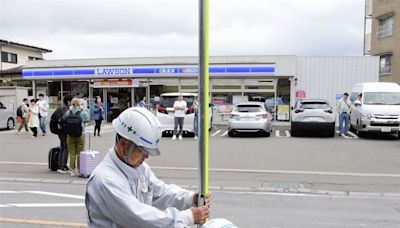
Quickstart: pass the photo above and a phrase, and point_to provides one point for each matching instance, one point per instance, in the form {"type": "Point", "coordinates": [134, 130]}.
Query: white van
{"type": "Point", "coordinates": [376, 107]}
{"type": "Point", "coordinates": [165, 111]}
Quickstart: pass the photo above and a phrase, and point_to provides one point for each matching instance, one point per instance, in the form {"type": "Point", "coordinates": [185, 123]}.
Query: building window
{"type": "Point", "coordinates": [33, 58]}
{"type": "Point", "coordinates": [7, 57]}
{"type": "Point", "coordinates": [384, 64]}
{"type": "Point", "coordinates": [385, 27]}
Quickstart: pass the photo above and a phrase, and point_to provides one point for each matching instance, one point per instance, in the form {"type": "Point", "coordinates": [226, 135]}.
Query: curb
{"type": "Point", "coordinates": [310, 192]}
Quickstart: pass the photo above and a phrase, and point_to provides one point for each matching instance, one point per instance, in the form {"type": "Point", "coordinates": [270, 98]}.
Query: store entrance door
{"type": "Point", "coordinates": [118, 99]}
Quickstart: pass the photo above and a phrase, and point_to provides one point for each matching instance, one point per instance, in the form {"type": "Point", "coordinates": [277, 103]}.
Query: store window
{"type": "Point", "coordinates": [384, 64]}
{"type": "Point", "coordinates": [7, 57]}
{"type": "Point", "coordinates": [385, 26]}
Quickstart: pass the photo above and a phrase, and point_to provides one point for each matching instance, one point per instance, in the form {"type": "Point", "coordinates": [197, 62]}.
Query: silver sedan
{"type": "Point", "coordinates": [250, 117]}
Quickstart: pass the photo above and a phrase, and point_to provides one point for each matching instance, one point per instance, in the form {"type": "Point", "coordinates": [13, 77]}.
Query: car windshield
{"type": "Point", "coordinates": [168, 101]}
{"type": "Point", "coordinates": [249, 108]}
{"type": "Point", "coordinates": [314, 105]}
{"type": "Point", "coordinates": [382, 98]}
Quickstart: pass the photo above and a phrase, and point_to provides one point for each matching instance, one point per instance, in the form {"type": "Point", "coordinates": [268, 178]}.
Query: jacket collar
{"type": "Point", "coordinates": [131, 173]}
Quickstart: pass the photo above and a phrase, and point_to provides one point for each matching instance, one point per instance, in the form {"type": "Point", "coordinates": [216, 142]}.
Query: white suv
{"type": "Point", "coordinates": [165, 111]}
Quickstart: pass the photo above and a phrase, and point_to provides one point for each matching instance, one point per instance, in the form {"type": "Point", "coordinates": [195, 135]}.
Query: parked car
{"type": "Point", "coordinates": [313, 115]}
{"type": "Point", "coordinates": [7, 117]}
{"type": "Point", "coordinates": [165, 111]}
{"type": "Point", "coordinates": [250, 117]}
{"type": "Point", "coordinates": [378, 110]}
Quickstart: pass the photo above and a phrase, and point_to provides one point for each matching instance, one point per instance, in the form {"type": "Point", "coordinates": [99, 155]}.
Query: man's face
{"type": "Point", "coordinates": [180, 98]}
{"type": "Point", "coordinates": [137, 157]}
{"type": "Point", "coordinates": [345, 97]}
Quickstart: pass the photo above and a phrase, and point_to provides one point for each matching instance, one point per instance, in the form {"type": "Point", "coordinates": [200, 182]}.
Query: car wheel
{"type": "Point", "coordinates": [231, 133]}
{"type": "Point", "coordinates": [358, 129]}
{"type": "Point", "coordinates": [267, 134]}
{"type": "Point", "coordinates": [293, 132]}
{"type": "Point", "coordinates": [10, 123]}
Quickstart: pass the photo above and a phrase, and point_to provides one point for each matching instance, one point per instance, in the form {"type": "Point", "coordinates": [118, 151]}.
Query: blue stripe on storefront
{"type": "Point", "coordinates": [63, 72]}
{"type": "Point", "coordinates": [84, 72]}
{"type": "Point", "coordinates": [150, 71]}
{"type": "Point", "coordinates": [143, 70]}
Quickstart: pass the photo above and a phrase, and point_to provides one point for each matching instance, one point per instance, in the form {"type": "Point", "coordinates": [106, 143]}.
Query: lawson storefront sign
{"type": "Point", "coordinates": [144, 72]}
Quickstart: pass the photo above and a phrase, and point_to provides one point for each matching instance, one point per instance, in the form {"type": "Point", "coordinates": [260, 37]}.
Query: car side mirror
{"type": "Point", "coordinates": [357, 103]}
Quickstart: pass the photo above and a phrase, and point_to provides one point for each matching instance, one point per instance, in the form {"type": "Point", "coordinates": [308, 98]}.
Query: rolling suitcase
{"type": "Point", "coordinates": [53, 158]}
{"type": "Point", "coordinates": [89, 159]}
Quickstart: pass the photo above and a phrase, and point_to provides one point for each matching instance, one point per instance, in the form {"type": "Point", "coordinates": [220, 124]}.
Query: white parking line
{"type": "Point", "coordinates": [277, 133]}
{"type": "Point", "coordinates": [44, 205]}
{"type": "Point", "coordinates": [216, 133]}
{"type": "Point", "coordinates": [344, 136]}
{"type": "Point", "coordinates": [225, 133]}
{"type": "Point", "coordinates": [354, 135]}
{"type": "Point", "coordinates": [56, 194]}
{"type": "Point", "coordinates": [287, 133]}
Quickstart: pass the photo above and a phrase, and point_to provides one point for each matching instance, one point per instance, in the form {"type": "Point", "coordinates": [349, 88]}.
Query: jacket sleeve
{"type": "Point", "coordinates": [95, 108]}
{"type": "Point", "coordinates": [165, 195]}
{"type": "Point", "coordinates": [118, 204]}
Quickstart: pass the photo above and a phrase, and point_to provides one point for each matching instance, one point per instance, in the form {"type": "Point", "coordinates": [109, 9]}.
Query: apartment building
{"type": "Point", "coordinates": [385, 37]}
{"type": "Point", "coordinates": [14, 56]}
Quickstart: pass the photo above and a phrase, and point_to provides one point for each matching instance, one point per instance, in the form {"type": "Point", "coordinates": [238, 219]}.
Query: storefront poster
{"type": "Point", "coordinates": [283, 112]}
{"type": "Point", "coordinates": [300, 94]}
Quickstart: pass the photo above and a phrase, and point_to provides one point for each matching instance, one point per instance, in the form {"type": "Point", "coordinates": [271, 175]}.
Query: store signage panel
{"type": "Point", "coordinates": [132, 71]}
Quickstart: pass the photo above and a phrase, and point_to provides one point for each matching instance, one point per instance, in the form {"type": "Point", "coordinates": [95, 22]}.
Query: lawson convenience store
{"type": "Point", "coordinates": [123, 82]}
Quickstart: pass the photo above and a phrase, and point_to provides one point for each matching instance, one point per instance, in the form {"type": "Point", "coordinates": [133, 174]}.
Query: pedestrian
{"type": "Point", "coordinates": [33, 122]}
{"type": "Point", "coordinates": [180, 107]}
{"type": "Point", "coordinates": [62, 135]}
{"type": "Point", "coordinates": [84, 103]}
{"type": "Point", "coordinates": [23, 115]}
{"type": "Point", "coordinates": [143, 103]}
{"type": "Point", "coordinates": [196, 106]}
{"type": "Point", "coordinates": [75, 120]}
{"type": "Point", "coordinates": [43, 112]}
{"type": "Point", "coordinates": [344, 109]}
{"type": "Point", "coordinates": [123, 191]}
{"type": "Point", "coordinates": [98, 112]}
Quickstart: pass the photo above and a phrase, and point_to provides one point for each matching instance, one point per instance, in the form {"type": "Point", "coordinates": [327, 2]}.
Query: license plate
{"type": "Point", "coordinates": [386, 129]}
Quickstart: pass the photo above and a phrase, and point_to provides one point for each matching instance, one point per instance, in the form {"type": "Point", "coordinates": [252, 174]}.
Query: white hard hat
{"type": "Point", "coordinates": [218, 223]}
{"type": "Point", "coordinates": [141, 127]}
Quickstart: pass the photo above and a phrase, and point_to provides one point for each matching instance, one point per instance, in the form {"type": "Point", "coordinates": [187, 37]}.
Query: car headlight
{"type": "Point", "coordinates": [367, 116]}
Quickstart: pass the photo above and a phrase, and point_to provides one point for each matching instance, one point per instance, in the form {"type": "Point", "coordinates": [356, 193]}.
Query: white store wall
{"type": "Point", "coordinates": [324, 77]}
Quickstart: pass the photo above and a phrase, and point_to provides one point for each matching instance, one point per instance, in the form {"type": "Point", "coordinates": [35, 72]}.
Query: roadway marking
{"type": "Point", "coordinates": [225, 133]}
{"type": "Point", "coordinates": [56, 194]}
{"type": "Point", "coordinates": [352, 134]}
{"type": "Point", "coordinates": [264, 171]}
{"type": "Point", "coordinates": [287, 134]}
{"type": "Point", "coordinates": [344, 136]}
{"type": "Point", "coordinates": [26, 205]}
{"type": "Point", "coordinates": [42, 222]}
{"type": "Point", "coordinates": [216, 133]}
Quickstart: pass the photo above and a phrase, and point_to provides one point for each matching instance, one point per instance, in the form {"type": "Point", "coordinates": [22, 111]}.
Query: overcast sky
{"type": "Point", "coordinates": [141, 28]}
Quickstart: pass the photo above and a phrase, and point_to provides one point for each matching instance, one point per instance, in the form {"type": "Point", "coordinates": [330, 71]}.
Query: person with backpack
{"type": "Point", "coordinates": [22, 114]}
{"type": "Point", "coordinates": [57, 126]}
{"type": "Point", "coordinates": [75, 120]}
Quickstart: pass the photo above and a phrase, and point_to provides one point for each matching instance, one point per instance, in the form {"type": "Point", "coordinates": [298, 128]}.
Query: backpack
{"type": "Point", "coordinates": [73, 124]}
{"type": "Point", "coordinates": [19, 111]}
{"type": "Point", "coordinates": [56, 125]}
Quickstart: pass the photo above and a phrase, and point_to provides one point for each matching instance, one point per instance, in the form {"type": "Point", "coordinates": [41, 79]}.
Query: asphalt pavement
{"type": "Point", "coordinates": [299, 172]}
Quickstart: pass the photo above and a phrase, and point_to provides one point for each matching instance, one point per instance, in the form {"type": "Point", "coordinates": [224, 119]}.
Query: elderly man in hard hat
{"type": "Point", "coordinates": [123, 190]}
